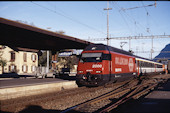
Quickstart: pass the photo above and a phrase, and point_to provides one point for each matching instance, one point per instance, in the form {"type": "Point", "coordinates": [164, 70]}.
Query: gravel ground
{"type": "Point", "coordinates": [55, 101]}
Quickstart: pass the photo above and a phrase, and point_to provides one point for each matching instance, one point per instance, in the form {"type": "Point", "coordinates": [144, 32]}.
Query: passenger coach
{"type": "Point", "coordinates": [100, 64]}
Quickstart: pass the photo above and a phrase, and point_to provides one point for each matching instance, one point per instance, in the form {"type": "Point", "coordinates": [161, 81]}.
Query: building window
{"type": "Point", "coordinates": [12, 56]}
{"type": "Point", "coordinates": [33, 57]}
{"type": "Point", "coordinates": [12, 68]}
{"type": "Point", "coordinates": [25, 57]}
{"type": "Point", "coordinates": [33, 68]}
{"type": "Point", "coordinates": [24, 68]}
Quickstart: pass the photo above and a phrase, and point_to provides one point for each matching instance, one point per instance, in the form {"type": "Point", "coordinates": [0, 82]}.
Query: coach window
{"type": "Point", "coordinates": [153, 65]}
{"type": "Point", "coordinates": [146, 64]}
{"type": "Point", "coordinates": [159, 66]}
{"type": "Point", "coordinates": [139, 63]}
{"type": "Point", "coordinates": [150, 64]}
{"type": "Point", "coordinates": [142, 63]}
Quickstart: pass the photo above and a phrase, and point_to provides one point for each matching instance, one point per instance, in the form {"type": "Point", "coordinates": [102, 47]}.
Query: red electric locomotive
{"type": "Point", "coordinates": [100, 64]}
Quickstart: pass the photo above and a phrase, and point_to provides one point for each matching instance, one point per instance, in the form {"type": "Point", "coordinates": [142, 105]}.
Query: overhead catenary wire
{"type": "Point", "coordinates": [147, 18]}
{"type": "Point", "coordinates": [57, 8]}
{"type": "Point", "coordinates": [67, 17]}
{"type": "Point", "coordinates": [124, 20]}
{"type": "Point", "coordinates": [144, 6]}
{"type": "Point", "coordinates": [101, 11]}
{"type": "Point", "coordinates": [131, 18]}
{"type": "Point", "coordinates": [137, 7]}
{"type": "Point", "coordinates": [149, 15]}
{"type": "Point", "coordinates": [117, 7]}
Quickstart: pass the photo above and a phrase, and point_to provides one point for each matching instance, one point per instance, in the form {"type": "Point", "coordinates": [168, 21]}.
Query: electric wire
{"type": "Point", "coordinates": [149, 13]}
{"type": "Point", "coordinates": [101, 11]}
{"type": "Point", "coordinates": [132, 19]}
{"type": "Point", "coordinates": [118, 8]}
{"type": "Point", "coordinates": [125, 21]}
{"type": "Point", "coordinates": [67, 17]}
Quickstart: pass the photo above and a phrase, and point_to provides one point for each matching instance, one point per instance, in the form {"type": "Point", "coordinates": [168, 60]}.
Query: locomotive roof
{"type": "Point", "coordinates": [106, 47]}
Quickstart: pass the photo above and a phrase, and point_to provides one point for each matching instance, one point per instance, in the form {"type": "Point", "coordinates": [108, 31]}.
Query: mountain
{"type": "Point", "coordinates": [164, 54]}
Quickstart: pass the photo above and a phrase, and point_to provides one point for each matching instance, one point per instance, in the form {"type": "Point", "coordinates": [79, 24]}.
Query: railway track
{"type": "Point", "coordinates": [93, 104]}
{"type": "Point", "coordinates": [137, 91]}
{"type": "Point", "coordinates": [83, 99]}
{"type": "Point", "coordinates": [129, 90]}
{"type": "Point", "coordinates": [56, 99]}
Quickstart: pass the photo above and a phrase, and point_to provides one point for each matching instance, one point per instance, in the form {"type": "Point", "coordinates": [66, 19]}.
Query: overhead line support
{"type": "Point", "coordinates": [107, 21]}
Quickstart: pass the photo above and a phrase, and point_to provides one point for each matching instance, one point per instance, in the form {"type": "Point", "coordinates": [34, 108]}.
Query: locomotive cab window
{"type": "Point", "coordinates": [106, 56]}
{"type": "Point", "coordinates": [91, 57]}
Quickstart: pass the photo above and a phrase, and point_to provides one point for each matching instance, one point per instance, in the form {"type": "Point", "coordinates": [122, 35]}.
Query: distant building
{"type": "Point", "coordinates": [18, 60]}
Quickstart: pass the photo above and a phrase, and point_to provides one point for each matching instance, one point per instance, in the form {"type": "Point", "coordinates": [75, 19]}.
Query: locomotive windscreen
{"type": "Point", "coordinates": [91, 57]}
{"type": "Point", "coordinates": [91, 54]}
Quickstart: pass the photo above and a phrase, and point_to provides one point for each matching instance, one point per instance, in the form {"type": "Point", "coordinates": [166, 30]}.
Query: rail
{"type": "Point", "coordinates": [135, 94]}
{"type": "Point", "coordinates": [123, 93]}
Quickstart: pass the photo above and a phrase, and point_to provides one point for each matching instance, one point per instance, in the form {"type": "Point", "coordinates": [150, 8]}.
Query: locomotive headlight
{"type": "Point", "coordinates": [80, 71]}
{"type": "Point", "coordinates": [98, 71]}
{"type": "Point", "coordinates": [84, 77]}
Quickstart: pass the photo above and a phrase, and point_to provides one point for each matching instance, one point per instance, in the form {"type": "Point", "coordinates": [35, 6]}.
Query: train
{"type": "Point", "coordinates": [168, 67]}
{"type": "Point", "coordinates": [100, 64]}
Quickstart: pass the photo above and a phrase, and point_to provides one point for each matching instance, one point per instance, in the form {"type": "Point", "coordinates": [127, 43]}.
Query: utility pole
{"type": "Point", "coordinates": [47, 69]}
{"type": "Point", "coordinates": [152, 47]}
{"type": "Point", "coordinates": [107, 21]}
{"type": "Point", "coordinates": [47, 61]}
{"type": "Point", "coordinates": [129, 44]}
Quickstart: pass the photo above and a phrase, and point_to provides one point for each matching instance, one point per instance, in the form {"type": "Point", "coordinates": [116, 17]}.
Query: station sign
{"type": "Point", "coordinates": [65, 54]}
{"type": "Point", "coordinates": [69, 53]}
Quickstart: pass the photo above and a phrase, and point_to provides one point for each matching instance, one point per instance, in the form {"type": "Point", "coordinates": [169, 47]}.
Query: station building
{"type": "Point", "coordinates": [18, 60]}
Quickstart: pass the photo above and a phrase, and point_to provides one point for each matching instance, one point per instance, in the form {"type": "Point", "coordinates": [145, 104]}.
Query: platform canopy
{"type": "Point", "coordinates": [16, 34]}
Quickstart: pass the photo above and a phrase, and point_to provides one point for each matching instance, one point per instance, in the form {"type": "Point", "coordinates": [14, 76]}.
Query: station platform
{"type": "Point", "coordinates": [158, 101]}
{"type": "Point", "coordinates": [18, 87]}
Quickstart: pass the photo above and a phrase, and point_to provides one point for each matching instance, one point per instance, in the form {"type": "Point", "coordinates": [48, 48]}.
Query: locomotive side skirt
{"type": "Point", "coordinates": [97, 80]}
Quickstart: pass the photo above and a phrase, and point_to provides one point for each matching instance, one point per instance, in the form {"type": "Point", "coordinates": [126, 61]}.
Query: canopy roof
{"type": "Point", "coordinates": [16, 34]}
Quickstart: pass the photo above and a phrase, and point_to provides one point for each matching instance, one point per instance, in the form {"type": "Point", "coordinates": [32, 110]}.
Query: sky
{"type": "Point", "coordinates": [87, 20]}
